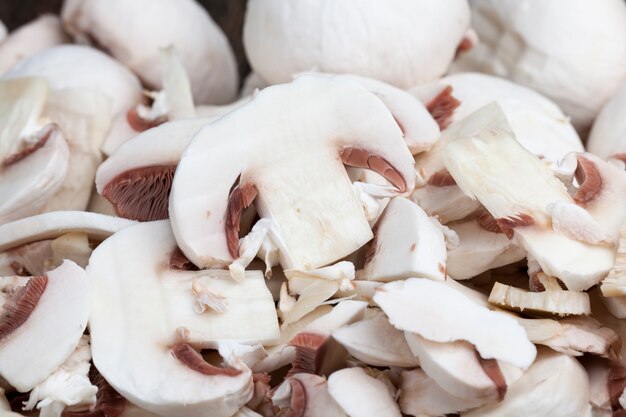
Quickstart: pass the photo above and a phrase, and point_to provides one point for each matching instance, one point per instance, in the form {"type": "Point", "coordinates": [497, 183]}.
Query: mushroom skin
{"type": "Point", "coordinates": [536, 44]}
{"type": "Point", "coordinates": [203, 47]}
{"type": "Point", "coordinates": [606, 138]}
{"type": "Point", "coordinates": [282, 39]}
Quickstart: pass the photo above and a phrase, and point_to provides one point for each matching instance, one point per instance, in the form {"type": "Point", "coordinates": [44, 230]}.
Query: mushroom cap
{"type": "Point", "coordinates": [283, 39]}
{"type": "Point", "coordinates": [306, 127]}
{"type": "Point", "coordinates": [536, 44]}
{"type": "Point", "coordinates": [203, 47]}
{"type": "Point", "coordinates": [606, 138]}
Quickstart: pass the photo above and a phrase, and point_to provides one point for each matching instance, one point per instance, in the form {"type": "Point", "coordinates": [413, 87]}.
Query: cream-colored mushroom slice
{"type": "Point", "coordinates": [614, 285]}
{"type": "Point", "coordinates": [420, 396]}
{"type": "Point", "coordinates": [137, 178]}
{"type": "Point", "coordinates": [54, 224]}
{"type": "Point", "coordinates": [168, 376]}
{"type": "Point", "coordinates": [306, 395]}
{"type": "Point", "coordinates": [419, 127]}
{"type": "Point", "coordinates": [414, 305]}
{"type": "Point", "coordinates": [526, 199]}
{"type": "Point", "coordinates": [330, 121]}
{"type": "Point", "coordinates": [552, 301]}
{"type": "Point", "coordinates": [599, 397]}
{"type": "Point", "coordinates": [42, 33]}
{"type": "Point", "coordinates": [538, 46]}
{"type": "Point", "coordinates": [376, 342]}
{"type": "Point", "coordinates": [359, 394]}
{"type": "Point", "coordinates": [407, 243]}
{"type": "Point", "coordinates": [203, 47]}
{"type": "Point", "coordinates": [402, 27]}
{"type": "Point", "coordinates": [52, 309]}
{"type": "Point", "coordinates": [217, 110]}
{"type": "Point", "coordinates": [482, 246]}
{"type": "Point", "coordinates": [555, 385]}
{"type": "Point", "coordinates": [607, 134]}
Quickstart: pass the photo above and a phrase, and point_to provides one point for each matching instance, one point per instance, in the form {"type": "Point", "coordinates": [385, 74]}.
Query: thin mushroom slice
{"type": "Point", "coordinates": [52, 309]}
{"type": "Point", "coordinates": [166, 374]}
{"type": "Point", "coordinates": [306, 395]}
{"type": "Point", "coordinates": [332, 121]}
{"type": "Point", "coordinates": [137, 178]}
{"type": "Point", "coordinates": [359, 394]}
{"type": "Point", "coordinates": [518, 190]}
{"type": "Point", "coordinates": [614, 285]}
{"type": "Point", "coordinates": [414, 305]}
{"type": "Point", "coordinates": [407, 243]}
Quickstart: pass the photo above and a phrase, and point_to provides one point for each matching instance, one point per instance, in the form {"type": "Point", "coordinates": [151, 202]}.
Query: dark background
{"type": "Point", "coordinates": [227, 13]}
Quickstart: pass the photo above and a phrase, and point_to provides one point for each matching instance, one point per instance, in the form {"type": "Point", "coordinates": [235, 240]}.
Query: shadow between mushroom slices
{"type": "Point", "coordinates": [287, 146]}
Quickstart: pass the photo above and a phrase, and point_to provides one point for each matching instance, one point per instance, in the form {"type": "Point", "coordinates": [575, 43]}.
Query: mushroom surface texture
{"type": "Point", "coordinates": [389, 42]}
{"type": "Point", "coordinates": [606, 138]}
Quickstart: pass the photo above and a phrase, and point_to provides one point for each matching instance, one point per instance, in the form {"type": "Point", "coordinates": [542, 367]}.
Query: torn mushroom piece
{"type": "Point", "coordinates": [526, 199]}
{"type": "Point", "coordinates": [203, 47]}
{"type": "Point", "coordinates": [249, 149]}
{"type": "Point", "coordinates": [139, 188]}
{"type": "Point", "coordinates": [52, 309]}
{"type": "Point", "coordinates": [166, 374]}
{"type": "Point", "coordinates": [306, 395]}
{"type": "Point", "coordinates": [360, 394]}
{"type": "Point", "coordinates": [407, 243]}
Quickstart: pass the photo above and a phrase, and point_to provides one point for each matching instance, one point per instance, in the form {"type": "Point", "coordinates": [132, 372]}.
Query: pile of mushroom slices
{"type": "Point", "coordinates": [350, 237]}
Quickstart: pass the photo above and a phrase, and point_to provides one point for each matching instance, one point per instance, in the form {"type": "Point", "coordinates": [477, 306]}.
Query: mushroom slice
{"type": "Point", "coordinates": [376, 342]}
{"type": "Point", "coordinates": [614, 285]}
{"type": "Point", "coordinates": [606, 138]}
{"type": "Point", "coordinates": [482, 246]}
{"type": "Point", "coordinates": [165, 374]}
{"type": "Point", "coordinates": [517, 189]}
{"type": "Point", "coordinates": [306, 395]}
{"type": "Point", "coordinates": [555, 385]}
{"type": "Point", "coordinates": [420, 396]}
{"type": "Point", "coordinates": [359, 394]}
{"type": "Point", "coordinates": [554, 300]}
{"type": "Point", "coordinates": [418, 126]}
{"type": "Point", "coordinates": [407, 243]}
{"type": "Point", "coordinates": [137, 178]}
{"type": "Point", "coordinates": [56, 223]}
{"type": "Point", "coordinates": [332, 121]}
{"type": "Point", "coordinates": [52, 309]}
{"type": "Point", "coordinates": [414, 305]}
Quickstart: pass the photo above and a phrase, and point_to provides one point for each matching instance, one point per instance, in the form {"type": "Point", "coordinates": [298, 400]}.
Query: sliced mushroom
{"type": "Point", "coordinates": [519, 191]}
{"type": "Point", "coordinates": [165, 373]}
{"type": "Point", "coordinates": [204, 50]}
{"type": "Point", "coordinates": [414, 305]}
{"type": "Point", "coordinates": [361, 395]}
{"type": "Point", "coordinates": [52, 309]}
{"type": "Point", "coordinates": [614, 283]}
{"type": "Point", "coordinates": [402, 26]}
{"type": "Point", "coordinates": [244, 149]}
{"type": "Point", "coordinates": [407, 243]}
{"type": "Point", "coordinates": [607, 135]}
{"type": "Point", "coordinates": [306, 395]}
{"type": "Point", "coordinates": [42, 33]}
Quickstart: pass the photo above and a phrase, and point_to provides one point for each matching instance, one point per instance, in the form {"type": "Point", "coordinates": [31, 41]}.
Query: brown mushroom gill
{"type": "Point", "coordinates": [141, 194]}
{"type": "Point", "coordinates": [361, 158]}
{"type": "Point", "coordinates": [493, 371]}
{"type": "Point", "coordinates": [179, 262]}
{"type": "Point", "coordinates": [19, 156]}
{"type": "Point", "coordinates": [194, 360]}
{"type": "Point", "coordinates": [139, 124]}
{"type": "Point", "coordinates": [240, 198]}
{"type": "Point", "coordinates": [442, 107]}
{"type": "Point", "coordinates": [109, 403]}
{"type": "Point", "coordinates": [21, 304]}
{"type": "Point", "coordinates": [487, 222]}
{"type": "Point", "coordinates": [590, 180]}
{"type": "Point", "coordinates": [508, 224]}
{"type": "Point", "coordinates": [310, 351]}
{"type": "Point", "coordinates": [441, 178]}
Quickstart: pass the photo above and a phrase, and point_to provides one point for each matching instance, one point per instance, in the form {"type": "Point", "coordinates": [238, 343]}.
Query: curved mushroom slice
{"type": "Point", "coordinates": [306, 395]}
{"type": "Point", "coordinates": [407, 243]}
{"type": "Point", "coordinates": [205, 51]}
{"type": "Point", "coordinates": [52, 309]}
{"type": "Point", "coordinates": [441, 197]}
{"type": "Point", "coordinates": [418, 126]}
{"type": "Point", "coordinates": [166, 375]}
{"type": "Point", "coordinates": [420, 396]}
{"type": "Point", "coordinates": [42, 33]}
{"type": "Point", "coordinates": [359, 394]}
{"type": "Point", "coordinates": [414, 305]}
{"type": "Point", "coordinates": [56, 223]}
{"type": "Point", "coordinates": [521, 193]}
{"type": "Point", "coordinates": [555, 385]}
{"type": "Point", "coordinates": [137, 178]}
{"type": "Point", "coordinates": [482, 246]}
{"type": "Point", "coordinates": [553, 300]}
{"type": "Point", "coordinates": [376, 342]}
{"type": "Point", "coordinates": [252, 144]}
{"type": "Point", "coordinates": [607, 134]}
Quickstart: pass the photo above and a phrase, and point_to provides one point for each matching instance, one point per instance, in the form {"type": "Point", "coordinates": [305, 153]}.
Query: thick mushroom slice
{"type": "Point", "coordinates": [555, 385]}
{"type": "Point", "coordinates": [362, 395]}
{"type": "Point", "coordinates": [306, 395]}
{"type": "Point", "coordinates": [407, 243]}
{"type": "Point", "coordinates": [51, 309]}
{"type": "Point", "coordinates": [527, 201]}
{"type": "Point", "coordinates": [144, 313]}
{"type": "Point", "coordinates": [137, 178]}
{"type": "Point", "coordinates": [309, 127]}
